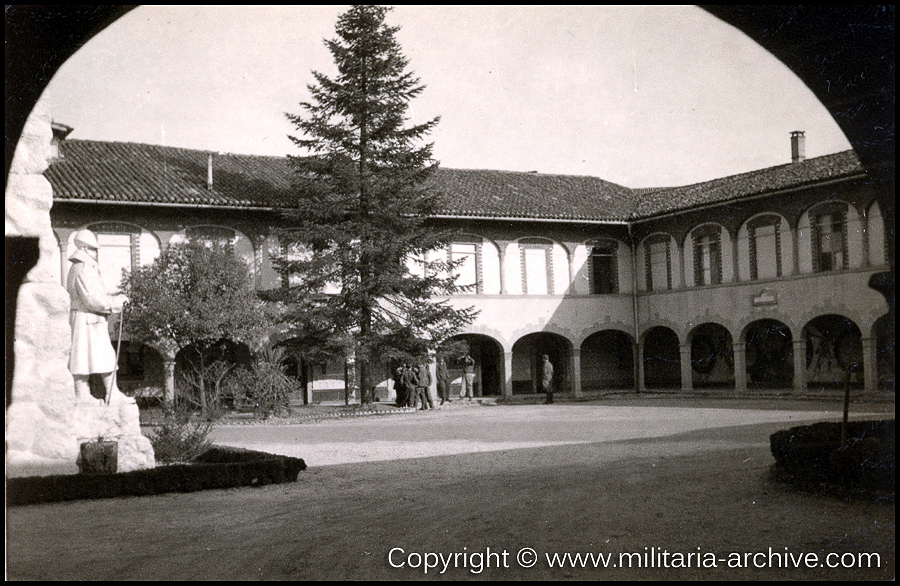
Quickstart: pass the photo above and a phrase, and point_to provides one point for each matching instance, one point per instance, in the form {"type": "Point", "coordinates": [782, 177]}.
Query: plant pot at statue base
{"type": "Point", "coordinates": [99, 457]}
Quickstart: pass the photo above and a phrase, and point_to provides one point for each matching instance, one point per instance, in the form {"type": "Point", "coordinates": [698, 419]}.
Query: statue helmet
{"type": "Point", "coordinates": [86, 239]}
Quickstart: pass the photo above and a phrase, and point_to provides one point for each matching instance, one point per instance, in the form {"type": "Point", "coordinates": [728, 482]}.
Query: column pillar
{"type": "Point", "coordinates": [507, 375]}
{"type": "Point", "coordinates": [795, 255]}
{"type": "Point", "coordinates": [63, 259]}
{"type": "Point", "coordinates": [502, 249]}
{"type": "Point", "coordinates": [575, 372]}
{"type": "Point", "coordinates": [735, 259]}
{"type": "Point", "coordinates": [740, 366]}
{"type": "Point", "coordinates": [864, 232]}
{"type": "Point", "coordinates": [800, 366]}
{"type": "Point", "coordinates": [870, 366]}
{"type": "Point", "coordinates": [169, 391]}
{"type": "Point", "coordinates": [687, 376]}
{"type": "Point", "coordinates": [571, 257]}
{"type": "Point", "coordinates": [639, 384]}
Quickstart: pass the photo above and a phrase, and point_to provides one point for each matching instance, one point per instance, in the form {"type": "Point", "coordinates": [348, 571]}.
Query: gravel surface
{"type": "Point", "coordinates": [571, 479]}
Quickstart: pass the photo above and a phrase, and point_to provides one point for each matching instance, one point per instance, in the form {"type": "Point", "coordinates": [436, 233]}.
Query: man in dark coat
{"type": "Point", "coordinates": [423, 383]}
{"type": "Point", "coordinates": [443, 381]}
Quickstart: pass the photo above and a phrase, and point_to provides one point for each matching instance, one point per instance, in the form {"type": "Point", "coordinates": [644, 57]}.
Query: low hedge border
{"type": "Point", "coordinates": [811, 458]}
{"type": "Point", "coordinates": [218, 467]}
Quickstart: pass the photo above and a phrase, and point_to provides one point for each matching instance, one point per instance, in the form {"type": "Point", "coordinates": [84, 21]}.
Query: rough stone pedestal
{"type": "Point", "coordinates": [41, 435]}
{"type": "Point", "coordinates": [119, 421]}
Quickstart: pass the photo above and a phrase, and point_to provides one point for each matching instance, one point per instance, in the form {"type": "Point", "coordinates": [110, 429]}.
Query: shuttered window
{"type": "Point", "coordinates": [707, 256]}
{"type": "Point", "coordinates": [829, 236]}
{"type": "Point", "coordinates": [658, 262]}
{"type": "Point", "coordinates": [604, 268]}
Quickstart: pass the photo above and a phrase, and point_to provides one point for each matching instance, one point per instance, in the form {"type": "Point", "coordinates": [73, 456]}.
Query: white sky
{"type": "Point", "coordinates": [641, 96]}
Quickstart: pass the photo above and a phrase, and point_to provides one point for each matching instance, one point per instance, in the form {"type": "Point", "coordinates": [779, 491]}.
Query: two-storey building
{"type": "Point", "coordinates": [753, 282]}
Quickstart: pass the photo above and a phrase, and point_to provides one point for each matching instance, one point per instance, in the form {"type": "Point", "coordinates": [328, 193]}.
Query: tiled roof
{"type": "Point", "coordinates": [506, 194]}
{"type": "Point", "coordinates": [140, 173]}
{"type": "Point", "coordinates": [841, 165]}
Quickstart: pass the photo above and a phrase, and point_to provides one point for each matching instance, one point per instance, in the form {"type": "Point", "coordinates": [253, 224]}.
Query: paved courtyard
{"type": "Point", "coordinates": [474, 488]}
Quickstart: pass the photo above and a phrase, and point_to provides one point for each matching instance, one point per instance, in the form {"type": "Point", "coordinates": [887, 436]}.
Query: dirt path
{"type": "Point", "coordinates": [701, 490]}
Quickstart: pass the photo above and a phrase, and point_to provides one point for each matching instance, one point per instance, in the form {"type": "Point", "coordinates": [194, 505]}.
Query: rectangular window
{"type": "Point", "coordinates": [114, 256]}
{"type": "Point", "coordinates": [536, 282]}
{"type": "Point", "coordinates": [765, 239]}
{"type": "Point", "coordinates": [659, 266]}
{"type": "Point", "coordinates": [467, 270]}
{"type": "Point", "coordinates": [830, 242]}
{"type": "Point", "coordinates": [603, 270]}
{"type": "Point", "coordinates": [704, 249]}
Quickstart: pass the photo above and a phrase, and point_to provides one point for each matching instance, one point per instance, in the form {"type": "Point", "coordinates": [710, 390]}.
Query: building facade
{"type": "Point", "coordinates": [751, 283]}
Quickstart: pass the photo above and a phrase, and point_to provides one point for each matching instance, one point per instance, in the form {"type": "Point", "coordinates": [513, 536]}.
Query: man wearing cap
{"type": "Point", "coordinates": [547, 379]}
{"type": "Point", "coordinates": [92, 350]}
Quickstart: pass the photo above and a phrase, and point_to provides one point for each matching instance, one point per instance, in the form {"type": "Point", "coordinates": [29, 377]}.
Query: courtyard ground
{"type": "Point", "coordinates": [657, 480]}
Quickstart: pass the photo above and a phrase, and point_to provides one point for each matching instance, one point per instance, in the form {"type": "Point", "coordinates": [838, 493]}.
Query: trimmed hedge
{"type": "Point", "coordinates": [811, 457]}
{"type": "Point", "coordinates": [218, 467]}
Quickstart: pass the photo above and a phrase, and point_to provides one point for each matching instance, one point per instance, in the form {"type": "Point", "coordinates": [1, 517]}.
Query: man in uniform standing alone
{"type": "Point", "coordinates": [547, 379]}
{"type": "Point", "coordinates": [469, 377]}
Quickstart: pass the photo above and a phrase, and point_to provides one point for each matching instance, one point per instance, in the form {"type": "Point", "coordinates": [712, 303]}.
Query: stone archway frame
{"type": "Point", "coordinates": [503, 368]}
{"type": "Point", "coordinates": [619, 329]}
{"type": "Point", "coordinates": [690, 340]}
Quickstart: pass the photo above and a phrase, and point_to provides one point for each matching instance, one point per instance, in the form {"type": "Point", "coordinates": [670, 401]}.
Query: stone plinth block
{"type": "Point", "coordinates": [119, 421]}
{"type": "Point", "coordinates": [29, 430]}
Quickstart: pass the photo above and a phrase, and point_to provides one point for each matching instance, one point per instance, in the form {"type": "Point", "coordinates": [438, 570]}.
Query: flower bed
{"type": "Point", "coordinates": [812, 457]}
{"type": "Point", "coordinates": [218, 467]}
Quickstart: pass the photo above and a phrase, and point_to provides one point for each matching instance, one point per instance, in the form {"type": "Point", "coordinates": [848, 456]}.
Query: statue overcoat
{"type": "Point", "coordinates": [92, 350]}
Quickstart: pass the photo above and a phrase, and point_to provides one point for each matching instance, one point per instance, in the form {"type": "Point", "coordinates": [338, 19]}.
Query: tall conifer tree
{"type": "Point", "coordinates": [362, 207]}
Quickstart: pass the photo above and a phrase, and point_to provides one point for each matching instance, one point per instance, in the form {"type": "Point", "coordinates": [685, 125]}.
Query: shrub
{"type": "Point", "coordinates": [178, 438]}
{"type": "Point", "coordinates": [812, 456]}
{"type": "Point", "coordinates": [265, 388]}
{"type": "Point", "coordinates": [218, 467]}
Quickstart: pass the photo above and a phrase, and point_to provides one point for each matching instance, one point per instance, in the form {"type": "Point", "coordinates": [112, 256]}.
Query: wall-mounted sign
{"type": "Point", "coordinates": [766, 297]}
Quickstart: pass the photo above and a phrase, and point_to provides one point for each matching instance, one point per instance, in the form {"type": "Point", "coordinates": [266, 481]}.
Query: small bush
{"type": "Point", "coordinates": [812, 456]}
{"type": "Point", "coordinates": [264, 389]}
{"type": "Point", "coordinates": [179, 438]}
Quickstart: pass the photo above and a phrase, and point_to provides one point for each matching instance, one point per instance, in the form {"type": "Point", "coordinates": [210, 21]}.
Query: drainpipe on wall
{"type": "Point", "coordinates": [634, 307]}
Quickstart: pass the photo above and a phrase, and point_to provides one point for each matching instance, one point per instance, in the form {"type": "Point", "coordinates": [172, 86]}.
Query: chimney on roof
{"type": "Point", "coordinates": [209, 181]}
{"type": "Point", "coordinates": [798, 146]}
{"type": "Point", "coordinates": [60, 132]}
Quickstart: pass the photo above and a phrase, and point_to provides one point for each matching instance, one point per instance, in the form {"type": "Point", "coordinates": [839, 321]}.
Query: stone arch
{"type": "Point", "coordinates": [772, 237]}
{"type": "Point", "coordinates": [720, 264]}
{"type": "Point", "coordinates": [607, 360]}
{"type": "Point", "coordinates": [658, 268]}
{"type": "Point", "coordinates": [833, 351]}
{"type": "Point", "coordinates": [660, 322]}
{"type": "Point", "coordinates": [143, 247]}
{"type": "Point", "coordinates": [769, 351]}
{"type": "Point", "coordinates": [526, 360]}
{"type": "Point", "coordinates": [661, 358]}
{"type": "Point", "coordinates": [490, 332]}
{"type": "Point", "coordinates": [487, 261]}
{"type": "Point", "coordinates": [488, 353]}
{"type": "Point", "coordinates": [850, 236]}
{"type": "Point", "coordinates": [876, 237]}
{"type": "Point", "coordinates": [543, 265]}
{"type": "Point", "coordinates": [242, 244]}
{"type": "Point", "coordinates": [712, 356]}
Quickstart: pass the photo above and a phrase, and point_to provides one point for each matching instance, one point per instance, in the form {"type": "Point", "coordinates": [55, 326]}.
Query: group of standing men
{"type": "Point", "coordinates": [411, 385]}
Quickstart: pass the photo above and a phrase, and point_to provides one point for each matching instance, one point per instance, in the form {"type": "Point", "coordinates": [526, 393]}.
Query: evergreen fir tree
{"type": "Point", "coordinates": [362, 208]}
